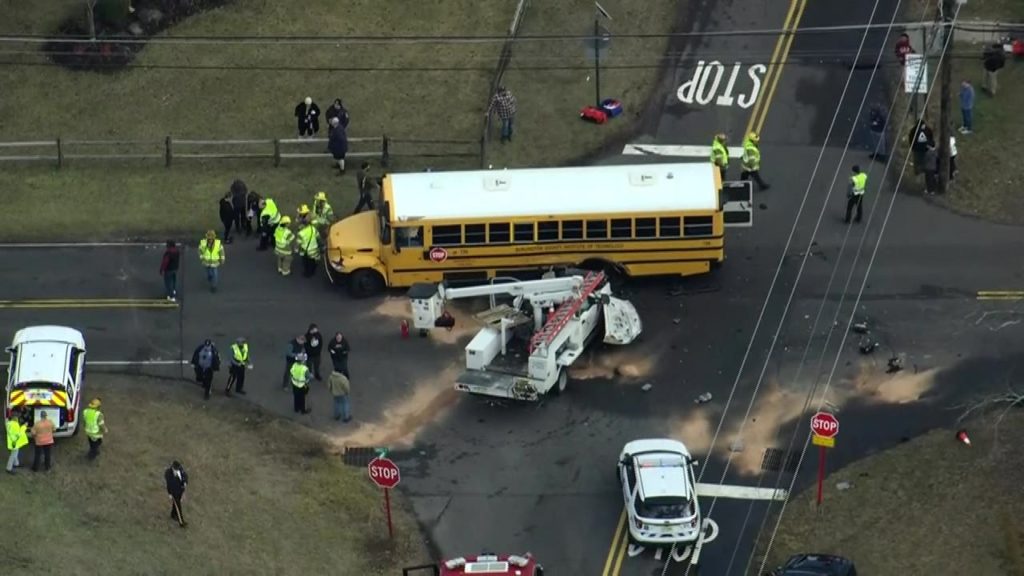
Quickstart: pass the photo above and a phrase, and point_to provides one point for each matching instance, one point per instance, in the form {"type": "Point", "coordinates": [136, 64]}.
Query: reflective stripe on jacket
{"type": "Point", "coordinates": [270, 212]}
{"type": "Point", "coordinates": [751, 156]}
{"type": "Point", "coordinates": [857, 184]}
{"type": "Point", "coordinates": [211, 256]}
{"type": "Point", "coordinates": [283, 240]}
{"type": "Point", "coordinates": [719, 154]}
{"type": "Point", "coordinates": [240, 354]}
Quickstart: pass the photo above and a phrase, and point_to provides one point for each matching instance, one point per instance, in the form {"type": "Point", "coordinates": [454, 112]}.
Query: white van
{"type": "Point", "coordinates": [46, 374]}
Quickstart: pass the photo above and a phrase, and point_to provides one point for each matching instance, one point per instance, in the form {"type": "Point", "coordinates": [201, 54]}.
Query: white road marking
{"type": "Point", "coordinates": [16, 246]}
{"type": "Point", "coordinates": [681, 553]}
{"type": "Point", "coordinates": [676, 150]}
{"type": "Point", "coordinates": [739, 492]}
{"type": "Point", "coordinates": [697, 90]}
{"type": "Point", "coordinates": [128, 363]}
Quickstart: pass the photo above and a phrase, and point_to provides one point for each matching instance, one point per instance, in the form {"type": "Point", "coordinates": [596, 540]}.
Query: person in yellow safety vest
{"type": "Point", "coordinates": [284, 246]}
{"type": "Point", "coordinates": [211, 255]}
{"type": "Point", "coordinates": [95, 426]}
{"type": "Point", "coordinates": [304, 214]}
{"type": "Point", "coordinates": [720, 154]}
{"type": "Point", "coordinates": [239, 364]}
{"type": "Point", "coordinates": [309, 249]}
{"type": "Point", "coordinates": [17, 438]}
{"type": "Point", "coordinates": [300, 377]}
{"type": "Point", "coordinates": [855, 194]}
{"type": "Point", "coordinates": [323, 213]}
{"type": "Point", "coordinates": [268, 221]}
{"type": "Point", "coordinates": [752, 161]}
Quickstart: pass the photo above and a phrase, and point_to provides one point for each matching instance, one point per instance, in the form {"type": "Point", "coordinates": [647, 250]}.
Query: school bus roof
{"type": "Point", "coordinates": [633, 188]}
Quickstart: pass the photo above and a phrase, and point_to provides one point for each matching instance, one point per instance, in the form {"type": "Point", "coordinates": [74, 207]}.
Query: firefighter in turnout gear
{"type": "Point", "coordinates": [720, 154]}
{"type": "Point", "coordinates": [309, 249]}
{"type": "Point", "coordinates": [239, 364]}
{"type": "Point", "coordinates": [284, 246]}
{"type": "Point", "coordinates": [95, 427]}
{"type": "Point", "coordinates": [269, 218]}
{"type": "Point", "coordinates": [323, 213]}
{"type": "Point", "coordinates": [305, 215]}
{"type": "Point", "coordinates": [752, 161]}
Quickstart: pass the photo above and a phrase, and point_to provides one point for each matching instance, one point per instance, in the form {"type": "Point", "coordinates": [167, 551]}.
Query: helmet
{"type": "Point", "coordinates": [211, 235]}
{"type": "Point", "coordinates": [720, 137]}
{"type": "Point", "coordinates": [753, 137]}
{"type": "Point", "coordinates": [304, 209]}
{"type": "Point", "coordinates": [94, 403]}
{"type": "Point", "coordinates": [320, 196]}
{"type": "Point", "coordinates": [286, 220]}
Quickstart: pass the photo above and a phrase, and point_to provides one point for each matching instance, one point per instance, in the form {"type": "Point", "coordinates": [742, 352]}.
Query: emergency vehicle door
{"type": "Point", "coordinates": [737, 204]}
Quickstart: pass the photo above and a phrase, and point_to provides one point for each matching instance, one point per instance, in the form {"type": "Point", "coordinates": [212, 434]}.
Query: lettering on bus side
{"type": "Point", "coordinates": [531, 249]}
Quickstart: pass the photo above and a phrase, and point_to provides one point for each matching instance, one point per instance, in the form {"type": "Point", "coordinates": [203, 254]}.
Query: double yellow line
{"type": "Point", "coordinates": [776, 64]}
{"type": "Point", "coordinates": [66, 303]}
{"type": "Point", "coordinates": [617, 552]}
{"type": "Point", "coordinates": [1000, 295]}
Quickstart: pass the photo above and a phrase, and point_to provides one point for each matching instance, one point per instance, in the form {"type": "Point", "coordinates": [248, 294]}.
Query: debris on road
{"type": "Point", "coordinates": [860, 328]}
{"type": "Point", "coordinates": [703, 398]}
{"type": "Point", "coordinates": [867, 346]}
{"type": "Point", "coordinates": [647, 387]}
{"type": "Point", "coordinates": [736, 445]}
{"type": "Point", "coordinates": [895, 365]}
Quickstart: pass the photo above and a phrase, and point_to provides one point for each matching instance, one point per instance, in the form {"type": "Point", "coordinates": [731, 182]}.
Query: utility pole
{"type": "Point", "coordinates": [945, 132]}
{"type": "Point", "coordinates": [600, 36]}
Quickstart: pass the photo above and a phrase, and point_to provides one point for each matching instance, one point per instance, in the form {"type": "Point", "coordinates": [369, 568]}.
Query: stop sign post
{"type": "Point", "coordinates": [825, 428]}
{"type": "Point", "coordinates": [384, 473]}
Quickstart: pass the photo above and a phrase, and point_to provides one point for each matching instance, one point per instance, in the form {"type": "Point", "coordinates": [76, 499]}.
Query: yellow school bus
{"type": "Point", "coordinates": [472, 226]}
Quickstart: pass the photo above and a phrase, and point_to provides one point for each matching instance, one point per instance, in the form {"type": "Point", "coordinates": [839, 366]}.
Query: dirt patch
{"type": "Point", "coordinates": [929, 506]}
{"type": "Point", "coordinates": [696, 429]}
{"type": "Point", "coordinates": [402, 420]}
{"type": "Point", "coordinates": [466, 325]}
{"type": "Point", "coordinates": [628, 365]}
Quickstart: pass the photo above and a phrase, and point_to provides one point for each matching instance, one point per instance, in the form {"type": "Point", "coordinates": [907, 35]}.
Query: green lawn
{"type": "Point", "coordinates": [265, 496]}
{"type": "Point", "coordinates": [97, 200]}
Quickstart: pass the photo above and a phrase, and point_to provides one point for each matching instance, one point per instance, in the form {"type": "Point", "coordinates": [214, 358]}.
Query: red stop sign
{"type": "Point", "coordinates": [824, 424]}
{"type": "Point", "coordinates": [438, 254]}
{"type": "Point", "coordinates": [384, 472]}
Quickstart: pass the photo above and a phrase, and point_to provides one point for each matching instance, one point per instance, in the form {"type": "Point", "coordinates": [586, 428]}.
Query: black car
{"type": "Point", "coordinates": [816, 565]}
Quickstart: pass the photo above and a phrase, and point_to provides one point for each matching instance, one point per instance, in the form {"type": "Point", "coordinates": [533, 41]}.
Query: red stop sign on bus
{"type": "Point", "coordinates": [825, 425]}
{"type": "Point", "coordinates": [384, 472]}
{"type": "Point", "coordinates": [438, 254]}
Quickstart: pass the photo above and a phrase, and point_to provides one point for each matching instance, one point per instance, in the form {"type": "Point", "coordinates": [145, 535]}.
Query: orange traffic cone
{"type": "Point", "coordinates": [962, 436]}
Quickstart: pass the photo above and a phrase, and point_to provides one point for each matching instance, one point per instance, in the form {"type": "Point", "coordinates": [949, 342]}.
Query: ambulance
{"type": "Point", "coordinates": [45, 375]}
{"type": "Point", "coordinates": [481, 564]}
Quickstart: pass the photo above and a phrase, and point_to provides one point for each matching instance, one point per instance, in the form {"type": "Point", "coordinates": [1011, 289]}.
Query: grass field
{"type": "Point", "coordinates": [929, 506]}
{"type": "Point", "coordinates": [395, 95]}
{"type": "Point", "coordinates": [264, 496]}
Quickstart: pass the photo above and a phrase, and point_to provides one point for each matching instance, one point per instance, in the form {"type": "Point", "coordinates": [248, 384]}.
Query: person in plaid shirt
{"type": "Point", "coordinates": [504, 103]}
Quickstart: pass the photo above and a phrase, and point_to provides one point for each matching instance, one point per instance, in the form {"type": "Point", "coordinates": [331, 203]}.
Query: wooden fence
{"type": "Point", "coordinates": [168, 150]}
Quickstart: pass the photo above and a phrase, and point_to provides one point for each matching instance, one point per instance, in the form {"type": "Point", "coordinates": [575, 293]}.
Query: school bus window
{"type": "Point", "coordinates": [646, 227]}
{"type": "Point", "coordinates": [697, 226]}
{"type": "Point", "coordinates": [597, 229]}
{"type": "Point", "coordinates": [669, 227]}
{"type": "Point", "coordinates": [622, 228]}
{"type": "Point", "coordinates": [523, 231]}
{"type": "Point", "coordinates": [572, 230]}
{"type": "Point", "coordinates": [476, 233]}
{"type": "Point", "coordinates": [547, 231]}
{"type": "Point", "coordinates": [450, 235]}
{"type": "Point", "coordinates": [498, 232]}
{"type": "Point", "coordinates": [408, 236]}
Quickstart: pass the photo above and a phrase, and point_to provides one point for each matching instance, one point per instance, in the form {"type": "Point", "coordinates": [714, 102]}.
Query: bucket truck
{"type": "Point", "coordinates": [523, 353]}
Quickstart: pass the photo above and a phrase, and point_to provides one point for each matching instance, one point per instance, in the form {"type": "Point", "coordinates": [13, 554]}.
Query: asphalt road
{"type": "Point", "coordinates": [540, 477]}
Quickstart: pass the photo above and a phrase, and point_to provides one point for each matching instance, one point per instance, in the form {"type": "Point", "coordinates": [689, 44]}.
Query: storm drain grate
{"type": "Point", "coordinates": [773, 461]}
{"type": "Point", "coordinates": [359, 456]}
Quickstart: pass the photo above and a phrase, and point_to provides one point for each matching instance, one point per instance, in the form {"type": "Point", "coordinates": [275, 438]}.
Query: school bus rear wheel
{"type": "Point", "coordinates": [364, 283]}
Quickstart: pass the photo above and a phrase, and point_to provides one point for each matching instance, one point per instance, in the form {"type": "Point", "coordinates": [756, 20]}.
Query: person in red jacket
{"type": "Point", "coordinates": [169, 270]}
{"type": "Point", "coordinates": [903, 48]}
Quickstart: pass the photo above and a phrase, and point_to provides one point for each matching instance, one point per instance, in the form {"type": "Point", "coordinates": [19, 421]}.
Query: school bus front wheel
{"type": "Point", "coordinates": [365, 282]}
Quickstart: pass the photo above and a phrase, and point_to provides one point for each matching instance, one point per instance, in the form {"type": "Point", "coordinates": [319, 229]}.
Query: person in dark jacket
{"type": "Point", "coordinates": [227, 216]}
{"type": "Point", "coordinates": [314, 348]}
{"type": "Point", "coordinates": [176, 480]}
{"type": "Point", "coordinates": [296, 349]}
{"type": "Point", "coordinates": [931, 170]}
{"type": "Point", "coordinates": [252, 210]}
{"type": "Point", "coordinates": [921, 139]}
{"type": "Point", "coordinates": [169, 270]}
{"type": "Point", "coordinates": [339, 349]}
{"type": "Point", "coordinates": [878, 122]}
{"type": "Point", "coordinates": [337, 143]}
{"type": "Point", "coordinates": [993, 59]}
{"type": "Point", "coordinates": [307, 116]}
{"type": "Point", "coordinates": [206, 361]}
{"type": "Point", "coordinates": [337, 110]}
{"type": "Point", "coordinates": [366, 186]}
{"type": "Point", "coordinates": [239, 203]}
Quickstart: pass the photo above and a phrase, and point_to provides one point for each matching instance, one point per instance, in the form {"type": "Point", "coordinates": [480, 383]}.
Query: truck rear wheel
{"type": "Point", "coordinates": [365, 282]}
{"type": "Point", "coordinates": [560, 383]}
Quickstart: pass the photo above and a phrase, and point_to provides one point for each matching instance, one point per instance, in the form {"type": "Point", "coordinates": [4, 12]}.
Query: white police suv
{"type": "Point", "coordinates": [658, 487]}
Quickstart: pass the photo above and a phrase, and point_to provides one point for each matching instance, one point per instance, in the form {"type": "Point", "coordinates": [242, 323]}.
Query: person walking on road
{"type": "Point", "coordinates": [314, 348]}
{"type": "Point", "coordinates": [227, 216]}
{"type": "Point", "coordinates": [269, 218]}
{"type": "Point", "coordinates": [239, 364]}
{"type": "Point", "coordinates": [17, 438]}
{"type": "Point", "coordinates": [309, 249]}
{"type": "Point", "coordinates": [878, 124]}
{"type": "Point", "coordinates": [503, 102]}
{"type": "Point", "coordinates": [284, 246]}
{"type": "Point", "coordinates": [300, 378]}
{"type": "Point", "coordinates": [206, 361]}
{"type": "Point", "coordinates": [42, 434]}
{"type": "Point", "coordinates": [855, 194]}
{"type": "Point", "coordinates": [296, 348]}
{"type": "Point", "coordinates": [169, 270]}
{"type": "Point", "coordinates": [365, 185]}
{"type": "Point", "coordinates": [176, 479]}
{"type": "Point", "coordinates": [340, 387]}
{"type": "Point", "coordinates": [720, 154]}
{"type": "Point", "coordinates": [967, 107]}
{"type": "Point", "coordinates": [211, 255]}
{"type": "Point", "coordinates": [95, 427]}
{"type": "Point", "coordinates": [338, 349]}
{"type": "Point", "coordinates": [751, 161]}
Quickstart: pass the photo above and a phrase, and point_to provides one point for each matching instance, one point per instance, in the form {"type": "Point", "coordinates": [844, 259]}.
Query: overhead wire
{"type": "Point", "coordinates": [863, 284]}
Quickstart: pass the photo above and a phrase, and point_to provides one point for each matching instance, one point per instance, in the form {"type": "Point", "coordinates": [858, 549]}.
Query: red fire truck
{"type": "Point", "coordinates": [486, 564]}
